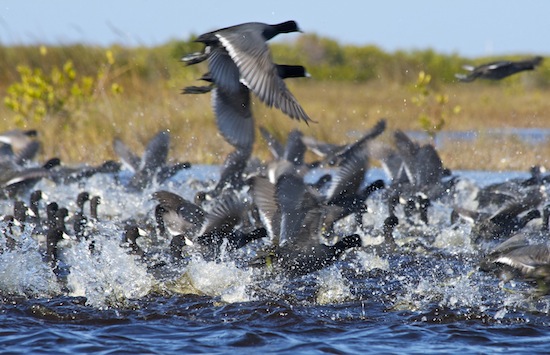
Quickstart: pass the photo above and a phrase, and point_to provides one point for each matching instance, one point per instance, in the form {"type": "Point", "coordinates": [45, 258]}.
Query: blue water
{"type": "Point", "coordinates": [532, 136]}
{"type": "Point", "coordinates": [411, 303]}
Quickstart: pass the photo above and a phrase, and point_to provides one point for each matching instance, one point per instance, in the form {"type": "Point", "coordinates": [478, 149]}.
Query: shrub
{"type": "Point", "coordinates": [40, 96]}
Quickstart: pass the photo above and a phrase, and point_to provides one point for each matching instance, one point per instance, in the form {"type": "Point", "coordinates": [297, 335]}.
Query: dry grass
{"type": "Point", "coordinates": [342, 111]}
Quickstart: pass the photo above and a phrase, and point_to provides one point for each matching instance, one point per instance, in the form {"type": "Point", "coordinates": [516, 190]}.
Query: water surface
{"type": "Point", "coordinates": [113, 302]}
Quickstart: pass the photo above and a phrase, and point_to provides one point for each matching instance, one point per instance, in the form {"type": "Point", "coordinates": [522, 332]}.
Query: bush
{"type": "Point", "coordinates": [40, 96]}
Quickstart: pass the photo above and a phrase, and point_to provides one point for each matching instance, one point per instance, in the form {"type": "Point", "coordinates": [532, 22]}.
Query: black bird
{"type": "Point", "coordinates": [521, 256]}
{"type": "Point", "coordinates": [53, 237]}
{"type": "Point", "coordinates": [293, 219]}
{"type": "Point", "coordinates": [178, 216]}
{"type": "Point", "coordinates": [293, 151]}
{"type": "Point", "coordinates": [94, 203]}
{"type": "Point", "coordinates": [232, 171]}
{"type": "Point", "coordinates": [506, 220]}
{"type": "Point", "coordinates": [415, 170]}
{"type": "Point", "coordinates": [191, 225]}
{"type": "Point", "coordinates": [499, 70]}
{"type": "Point", "coordinates": [345, 196]}
{"type": "Point", "coordinates": [233, 111]}
{"type": "Point", "coordinates": [239, 54]}
{"type": "Point", "coordinates": [79, 219]}
{"type": "Point", "coordinates": [15, 179]}
{"type": "Point", "coordinates": [131, 234]}
{"type": "Point", "coordinates": [388, 245]}
{"type": "Point", "coordinates": [530, 191]}
{"type": "Point", "coordinates": [334, 154]}
{"type": "Point", "coordinates": [151, 166]}
{"type": "Point", "coordinates": [19, 146]}
{"type": "Point", "coordinates": [34, 202]}
{"type": "Point", "coordinates": [67, 175]}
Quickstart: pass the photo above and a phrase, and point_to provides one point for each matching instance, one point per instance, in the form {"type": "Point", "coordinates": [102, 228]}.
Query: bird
{"type": "Point", "coordinates": [131, 233]}
{"type": "Point", "coordinates": [508, 218]}
{"type": "Point", "coordinates": [335, 154]}
{"type": "Point", "coordinates": [34, 201]}
{"type": "Point", "coordinates": [524, 256]}
{"type": "Point", "coordinates": [293, 151]}
{"type": "Point", "coordinates": [15, 179]}
{"type": "Point", "coordinates": [292, 215]}
{"type": "Point", "coordinates": [499, 70]}
{"type": "Point", "coordinates": [529, 190]}
{"type": "Point", "coordinates": [79, 220]}
{"type": "Point", "coordinates": [151, 166]}
{"type": "Point", "coordinates": [19, 146]}
{"type": "Point", "coordinates": [344, 195]}
{"type": "Point", "coordinates": [415, 170]}
{"type": "Point", "coordinates": [67, 175]}
{"type": "Point", "coordinates": [289, 156]}
{"type": "Point", "coordinates": [205, 231]}
{"type": "Point", "coordinates": [232, 170]}
{"type": "Point", "coordinates": [233, 113]}
{"type": "Point", "coordinates": [388, 245]}
{"type": "Point", "coordinates": [178, 215]}
{"type": "Point", "coordinates": [95, 201]}
{"type": "Point", "coordinates": [239, 55]}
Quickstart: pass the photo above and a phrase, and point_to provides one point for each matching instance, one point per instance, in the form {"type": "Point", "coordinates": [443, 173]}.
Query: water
{"type": "Point", "coordinates": [112, 302]}
{"type": "Point", "coordinates": [532, 136]}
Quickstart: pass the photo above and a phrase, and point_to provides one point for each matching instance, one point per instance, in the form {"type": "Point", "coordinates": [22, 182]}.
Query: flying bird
{"type": "Point", "coordinates": [239, 55]}
{"type": "Point", "coordinates": [498, 70]}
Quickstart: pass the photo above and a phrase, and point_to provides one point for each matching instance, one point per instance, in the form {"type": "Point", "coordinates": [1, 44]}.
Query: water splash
{"type": "Point", "coordinates": [23, 272]}
{"type": "Point", "coordinates": [107, 276]}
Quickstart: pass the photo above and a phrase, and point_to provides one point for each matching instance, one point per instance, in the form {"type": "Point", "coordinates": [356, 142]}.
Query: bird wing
{"type": "Point", "coordinates": [223, 70]}
{"type": "Point", "coordinates": [257, 71]}
{"type": "Point", "coordinates": [128, 158]}
{"type": "Point", "coordinates": [156, 152]}
{"type": "Point", "coordinates": [263, 193]}
{"type": "Point", "coordinates": [273, 144]}
{"type": "Point", "coordinates": [349, 176]}
{"type": "Point", "coordinates": [224, 216]}
{"type": "Point", "coordinates": [234, 116]}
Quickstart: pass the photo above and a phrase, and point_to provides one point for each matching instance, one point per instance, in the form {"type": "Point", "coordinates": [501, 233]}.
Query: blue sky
{"type": "Point", "coordinates": [470, 28]}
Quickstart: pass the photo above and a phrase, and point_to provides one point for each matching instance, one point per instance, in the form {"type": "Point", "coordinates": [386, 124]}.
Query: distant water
{"type": "Point", "coordinates": [436, 302]}
{"type": "Point", "coordinates": [532, 136]}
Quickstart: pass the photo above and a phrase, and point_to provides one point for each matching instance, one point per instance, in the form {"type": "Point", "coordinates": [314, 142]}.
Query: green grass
{"type": "Point", "coordinates": [351, 88]}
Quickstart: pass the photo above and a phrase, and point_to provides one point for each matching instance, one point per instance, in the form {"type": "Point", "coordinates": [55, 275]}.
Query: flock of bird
{"type": "Point", "coordinates": [289, 226]}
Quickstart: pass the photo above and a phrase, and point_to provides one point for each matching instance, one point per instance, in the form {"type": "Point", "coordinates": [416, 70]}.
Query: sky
{"type": "Point", "coordinates": [470, 28]}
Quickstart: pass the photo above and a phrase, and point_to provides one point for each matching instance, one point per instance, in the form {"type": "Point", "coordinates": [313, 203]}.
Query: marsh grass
{"type": "Point", "coordinates": [343, 110]}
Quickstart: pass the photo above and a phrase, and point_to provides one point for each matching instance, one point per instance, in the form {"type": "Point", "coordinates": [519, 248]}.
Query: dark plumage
{"type": "Point", "coordinates": [293, 219]}
{"type": "Point", "coordinates": [52, 238]}
{"type": "Point", "coordinates": [232, 107]}
{"type": "Point", "coordinates": [67, 175]}
{"type": "Point", "coordinates": [520, 256]}
{"type": "Point", "coordinates": [131, 234]}
{"type": "Point", "coordinates": [19, 146]}
{"type": "Point", "coordinates": [388, 245]}
{"type": "Point", "coordinates": [151, 166]}
{"type": "Point", "coordinates": [499, 70]}
{"type": "Point", "coordinates": [206, 231]}
{"type": "Point", "coordinates": [15, 179]}
{"type": "Point", "coordinates": [79, 219]}
{"type": "Point", "coordinates": [333, 154]}
{"type": "Point", "coordinates": [231, 175]}
{"type": "Point", "coordinates": [179, 216]}
{"type": "Point", "coordinates": [239, 54]}
{"type": "Point", "coordinates": [94, 203]}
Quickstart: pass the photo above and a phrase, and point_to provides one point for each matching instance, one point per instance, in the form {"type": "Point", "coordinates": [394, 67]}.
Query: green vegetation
{"type": "Point", "coordinates": [37, 98]}
{"type": "Point", "coordinates": [435, 109]}
{"type": "Point", "coordinates": [78, 96]}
